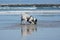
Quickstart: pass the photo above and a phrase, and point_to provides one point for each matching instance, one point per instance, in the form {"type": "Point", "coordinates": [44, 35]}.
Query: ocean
{"type": "Point", "coordinates": [47, 27]}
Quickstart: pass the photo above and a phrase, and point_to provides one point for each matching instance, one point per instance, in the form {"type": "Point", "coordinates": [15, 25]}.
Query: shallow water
{"type": "Point", "coordinates": [47, 28]}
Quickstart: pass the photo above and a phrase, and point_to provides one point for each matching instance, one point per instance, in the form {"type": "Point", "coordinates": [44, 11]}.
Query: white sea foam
{"type": "Point", "coordinates": [33, 11]}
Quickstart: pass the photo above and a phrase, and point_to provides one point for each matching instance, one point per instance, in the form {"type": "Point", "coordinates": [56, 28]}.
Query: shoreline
{"type": "Point", "coordinates": [32, 11]}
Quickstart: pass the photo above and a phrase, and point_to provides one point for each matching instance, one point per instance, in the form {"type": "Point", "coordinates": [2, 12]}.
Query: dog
{"type": "Point", "coordinates": [28, 18]}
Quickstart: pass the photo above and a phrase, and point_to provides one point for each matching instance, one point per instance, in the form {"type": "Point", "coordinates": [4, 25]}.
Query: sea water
{"type": "Point", "coordinates": [47, 27]}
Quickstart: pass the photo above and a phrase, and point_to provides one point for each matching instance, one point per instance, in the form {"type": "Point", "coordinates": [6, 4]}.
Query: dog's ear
{"type": "Point", "coordinates": [36, 20]}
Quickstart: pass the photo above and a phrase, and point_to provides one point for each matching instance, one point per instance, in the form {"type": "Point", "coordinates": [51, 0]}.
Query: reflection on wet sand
{"type": "Point", "coordinates": [28, 29]}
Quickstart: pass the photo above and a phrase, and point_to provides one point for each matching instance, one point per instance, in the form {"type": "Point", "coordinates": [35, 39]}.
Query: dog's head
{"type": "Point", "coordinates": [33, 20]}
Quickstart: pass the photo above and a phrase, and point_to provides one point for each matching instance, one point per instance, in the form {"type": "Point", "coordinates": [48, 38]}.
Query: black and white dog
{"type": "Point", "coordinates": [28, 18]}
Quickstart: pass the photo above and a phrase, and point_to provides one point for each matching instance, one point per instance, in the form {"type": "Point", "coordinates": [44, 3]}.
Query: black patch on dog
{"type": "Point", "coordinates": [28, 18]}
{"type": "Point", "coordinates": [29, 22]}
{"type": "Point", "coordinates": [35, 21]}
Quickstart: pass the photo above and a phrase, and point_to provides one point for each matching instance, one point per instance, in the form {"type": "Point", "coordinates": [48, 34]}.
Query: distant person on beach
{"type": "Point", "coordinates": [28, 18]}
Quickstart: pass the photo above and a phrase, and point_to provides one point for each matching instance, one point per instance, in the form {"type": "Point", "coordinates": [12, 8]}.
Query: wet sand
{"type": "Point", "coordinates": [42, 24]}
{"type": "Point", "coordinates": [43, 30]}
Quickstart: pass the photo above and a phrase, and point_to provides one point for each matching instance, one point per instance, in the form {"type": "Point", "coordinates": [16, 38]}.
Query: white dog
{"type": "Point", "coordinates": [28, 18]}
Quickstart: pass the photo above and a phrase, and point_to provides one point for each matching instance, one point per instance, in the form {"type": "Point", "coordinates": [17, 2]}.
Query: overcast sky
{"type": "Point", "coordinates": [29, 1]}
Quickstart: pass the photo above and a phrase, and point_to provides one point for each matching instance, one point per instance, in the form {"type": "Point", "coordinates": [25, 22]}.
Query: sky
{"type": "Point", "coordinates": [29, 1]}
